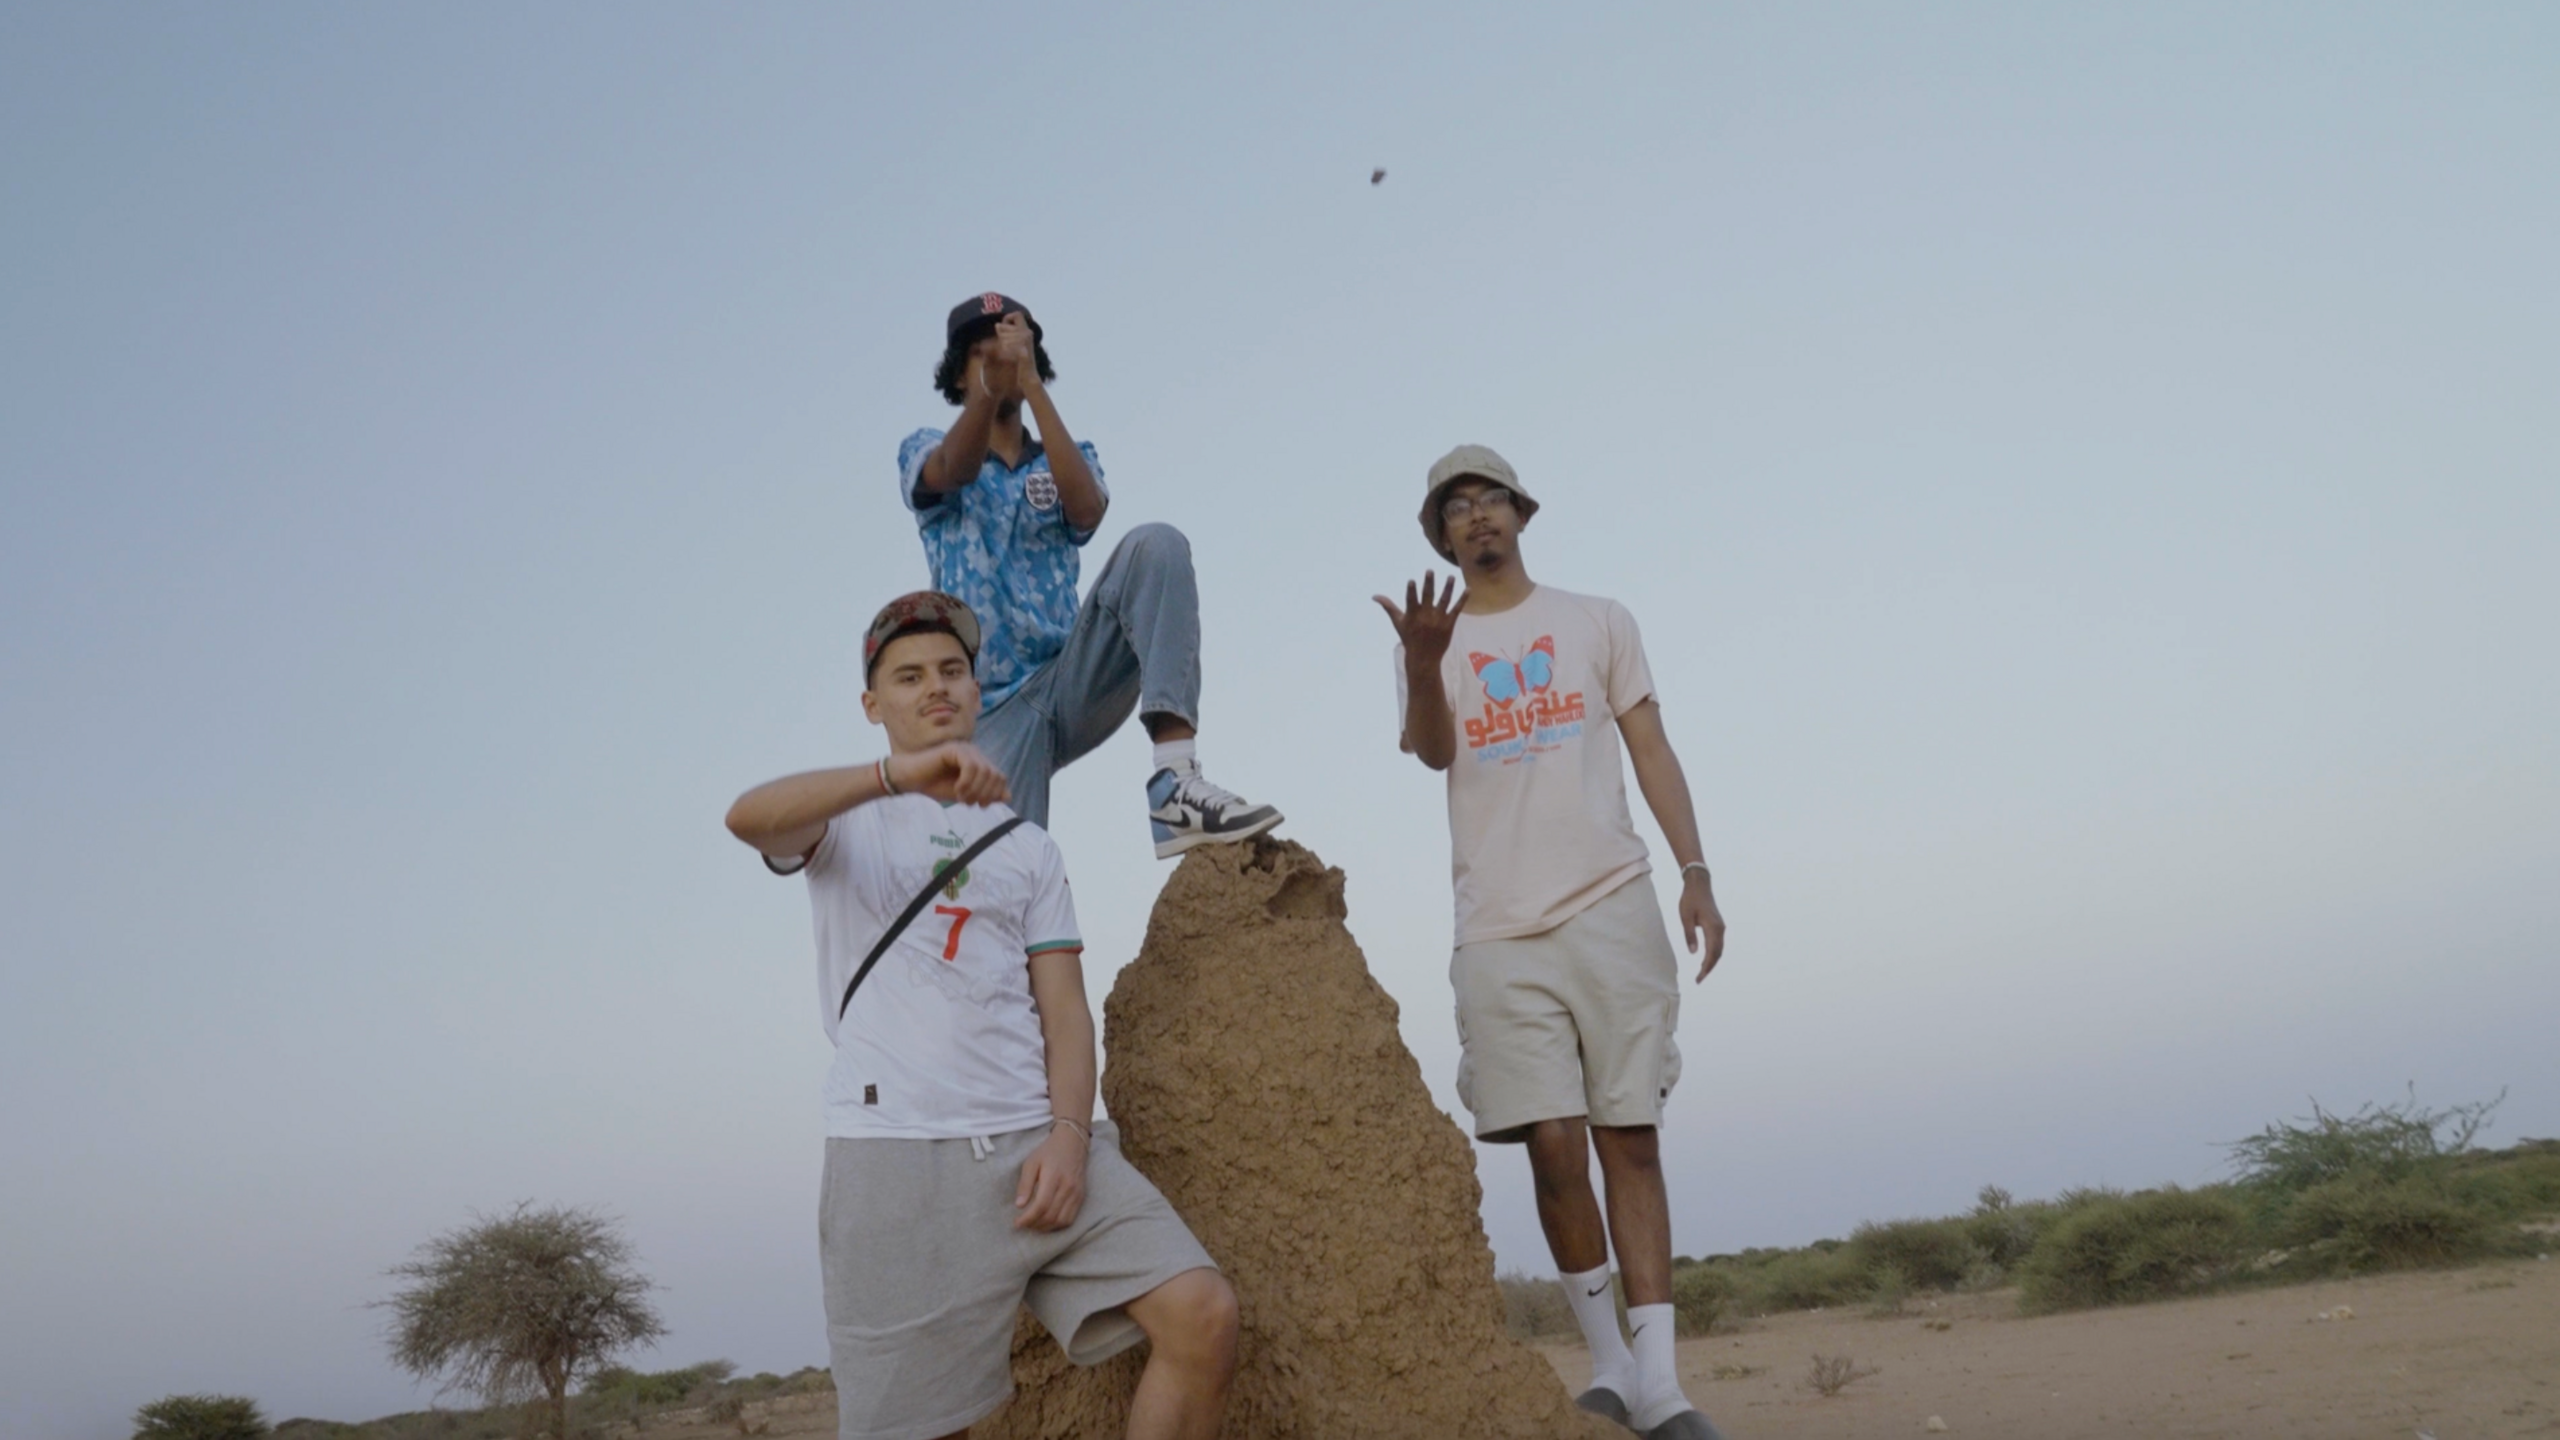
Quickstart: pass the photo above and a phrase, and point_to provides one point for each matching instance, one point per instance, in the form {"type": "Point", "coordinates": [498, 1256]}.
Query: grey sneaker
{"type": "Point", "coordinates": [1187, 810]}
{"type": "Point", "coordinates": [1687, 1425]}
{"type": "Point", "coordinates": [1604, 1402]}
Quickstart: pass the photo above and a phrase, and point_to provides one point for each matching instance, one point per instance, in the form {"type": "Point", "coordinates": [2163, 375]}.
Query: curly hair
{"type": "Point", "coordinates": [955, 362]}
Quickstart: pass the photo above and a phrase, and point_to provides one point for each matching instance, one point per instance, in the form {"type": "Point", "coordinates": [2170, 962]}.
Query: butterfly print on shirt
{"type": "Point", "coordinates": [1506, 680]}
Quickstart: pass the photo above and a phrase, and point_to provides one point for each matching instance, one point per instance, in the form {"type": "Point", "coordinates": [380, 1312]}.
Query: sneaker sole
{"type": "Point", "coordinates": [1167, 849]}
{"type": "Point", "coordinates": [1687, 1425]}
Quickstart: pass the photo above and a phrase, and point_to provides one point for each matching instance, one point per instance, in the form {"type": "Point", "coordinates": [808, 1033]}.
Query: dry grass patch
{"type": "Point", "coordinates": [1831, 1374]}
{"type": "Point", "coordinates": [1736, 1372]}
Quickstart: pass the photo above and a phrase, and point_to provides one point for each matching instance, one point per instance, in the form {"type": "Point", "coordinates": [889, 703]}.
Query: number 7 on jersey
{"type": "Point", "coordinates": [959, 918]}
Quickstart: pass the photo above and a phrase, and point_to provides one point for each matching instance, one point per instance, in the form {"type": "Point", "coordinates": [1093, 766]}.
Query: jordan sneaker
{"type": "Point", "coordinates": [1187, 810]}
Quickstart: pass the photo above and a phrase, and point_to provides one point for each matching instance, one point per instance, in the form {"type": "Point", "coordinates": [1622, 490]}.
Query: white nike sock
{"type": "Point", "coordinates": [1176, 754]}
{"type": "Point", "coordinates": [1595, 1308]}
{"type": "Point", "coordinates": [1658, 1396]}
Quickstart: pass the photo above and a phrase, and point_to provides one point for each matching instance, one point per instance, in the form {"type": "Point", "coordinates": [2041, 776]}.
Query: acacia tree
{"type": "Point", "coordinates": [199, 1417]}
{"type": "Point", "coordinates": [520, 1305]}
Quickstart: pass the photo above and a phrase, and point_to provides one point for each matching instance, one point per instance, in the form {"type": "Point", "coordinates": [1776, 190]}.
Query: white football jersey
{"type": "Point", "coordinates": [943, 1040]}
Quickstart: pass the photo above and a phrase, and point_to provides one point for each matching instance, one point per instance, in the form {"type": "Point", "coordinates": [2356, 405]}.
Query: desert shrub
{"type": "Point", "coordinates": [2491, 1192]}
{"type": "Point", "coordinates": [199, 1417]}
{"type": "Point", "coordinates": [1920, 1254]}
{"type": "Point", "coordinates": [2521, 1182]}
{"type": "Point", "coordinates": [1831, 1374]}
{"type": "Point", "coordinates": [2363, 1222]}
{"type": "Point", "coordinates": [1806, 1279]}
{"type": "Point", "coordinates": [2390, 1186]}
{"type": "Point", "coordinates": [1888, 1287]}
{"type": "Point", "coordinates": [500, 1422]}
{"type": "Point", "coordinates": [1533, 1308]}
{"type": "Point", "coordinates": [2392, 1142]}
{"type": "Point", "coordinates": [1700, 1296]}
{"type": "Point", "coordinates": [2135, 1247]}
{"type": "Point", "coordinates": [614, 1383]}
{"type": "Point", "coordinates": [2002, 1230]}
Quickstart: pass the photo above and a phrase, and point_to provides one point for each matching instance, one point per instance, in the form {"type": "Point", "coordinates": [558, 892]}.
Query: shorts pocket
{"type": "Point", "coordinates": [1466, 1067]}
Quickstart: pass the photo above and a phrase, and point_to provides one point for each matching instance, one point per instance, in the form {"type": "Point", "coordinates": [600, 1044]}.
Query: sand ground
{"type": "Point", "coordinates": [2454, 1354]}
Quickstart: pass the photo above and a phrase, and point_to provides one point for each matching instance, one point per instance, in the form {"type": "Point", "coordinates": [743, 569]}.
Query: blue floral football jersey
{"type": "Point", "coordinates": [1003, 545]}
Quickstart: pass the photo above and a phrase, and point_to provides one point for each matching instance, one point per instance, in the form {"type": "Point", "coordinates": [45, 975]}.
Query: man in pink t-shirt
{"type": "Point", "coordinates": [1568, 991]}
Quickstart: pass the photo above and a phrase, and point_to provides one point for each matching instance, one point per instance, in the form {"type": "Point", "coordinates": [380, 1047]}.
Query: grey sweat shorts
{"type": "Point", "coordinates": [1574, 1021]}
{"type": "Point", "coordinates": [924, 1271]}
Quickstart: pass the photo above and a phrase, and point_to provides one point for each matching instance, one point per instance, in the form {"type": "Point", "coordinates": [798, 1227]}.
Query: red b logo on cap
{"type": "Point", "coordinates": [990, 303]}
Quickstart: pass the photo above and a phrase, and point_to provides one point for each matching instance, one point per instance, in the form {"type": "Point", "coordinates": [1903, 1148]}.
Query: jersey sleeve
{"type": "Point", "coordinates": [911, 457]}
{"type": "Point", "coordinates": [790, 865]}
{"type": "Point", "coordinates": [1051, 921]}
{"type": "Point", "coordinates": [851, 858]}
{"type": "Point", "coordinates": [820, 860]}
{"type": "Point", "coordinates": [1630, 677]}
{"type": "Point", "coordinates": [1093, 462]}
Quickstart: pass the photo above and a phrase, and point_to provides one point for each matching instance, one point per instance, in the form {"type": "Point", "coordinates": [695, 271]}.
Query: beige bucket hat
{"type": "Point", "coordinates": [1467, 462]}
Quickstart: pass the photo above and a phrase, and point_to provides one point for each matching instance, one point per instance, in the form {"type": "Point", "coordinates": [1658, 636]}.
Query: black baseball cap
{"type": "Point", "coordinates": [985, 309]}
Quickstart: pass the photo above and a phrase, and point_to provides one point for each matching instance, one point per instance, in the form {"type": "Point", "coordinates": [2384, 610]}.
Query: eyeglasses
{"type": "Point", "coordinates": [1458, 507]}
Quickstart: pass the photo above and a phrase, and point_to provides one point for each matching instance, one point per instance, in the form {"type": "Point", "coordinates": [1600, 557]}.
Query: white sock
{"type": "Point", "coordinates": [1595, 1308]}
{"type": "Point", "coordinates": [1178, 754]}
{"type": "Point", "coordinates": [1657, 1396]}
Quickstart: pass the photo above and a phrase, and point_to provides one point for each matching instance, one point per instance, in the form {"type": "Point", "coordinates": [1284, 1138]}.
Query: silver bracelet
{"type": "Point", "coordinates": [1698, 865]}
{"type": "Point", "coordinates": [1071, 1122]}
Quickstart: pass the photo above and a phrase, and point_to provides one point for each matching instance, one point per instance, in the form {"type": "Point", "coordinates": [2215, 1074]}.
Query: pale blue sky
{"type": "Point", "coordinates": [2087, 476]}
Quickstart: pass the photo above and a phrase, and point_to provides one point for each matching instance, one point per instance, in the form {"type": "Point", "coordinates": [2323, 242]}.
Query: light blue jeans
{"type": "Point", "coordinates": [1135, 647]}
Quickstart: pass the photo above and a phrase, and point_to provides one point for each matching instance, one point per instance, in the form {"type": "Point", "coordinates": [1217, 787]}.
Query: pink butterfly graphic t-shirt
{"type": "Point", "coordinates": [1538, 821]}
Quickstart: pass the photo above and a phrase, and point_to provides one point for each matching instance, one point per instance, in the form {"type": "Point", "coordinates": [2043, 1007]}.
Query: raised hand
{"type": "Point", "coordinates": [995, 379]}
{"type": "Point", "coordinates": [1427, 620]}
{"type": "Point", "coordinates": [954, 770]}
{"type": "Point", "coordinates": [1012, 367]}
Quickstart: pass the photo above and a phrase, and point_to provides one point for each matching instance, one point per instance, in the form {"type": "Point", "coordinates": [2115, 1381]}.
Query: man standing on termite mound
{"type": "Point", "coordinates": [1567, 988]}
{"type": "Point", "coordinates": [1002, 513]}
{"type": "Point", "coordinates": [965, 1175]}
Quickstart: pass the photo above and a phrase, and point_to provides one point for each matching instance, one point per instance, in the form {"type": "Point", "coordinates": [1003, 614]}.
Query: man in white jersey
{"type": "Point", "coordinates": [965, 1175]}
{"type": "Point", "coordinates": [1567, 988]}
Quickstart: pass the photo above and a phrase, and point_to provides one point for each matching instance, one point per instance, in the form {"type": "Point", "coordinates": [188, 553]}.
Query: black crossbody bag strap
{"type": "Point", "coordinates": [916, 906]}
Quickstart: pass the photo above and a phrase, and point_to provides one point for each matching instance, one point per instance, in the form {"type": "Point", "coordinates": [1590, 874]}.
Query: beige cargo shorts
{"type": "Point", "coordinates": [1574, 1021]}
